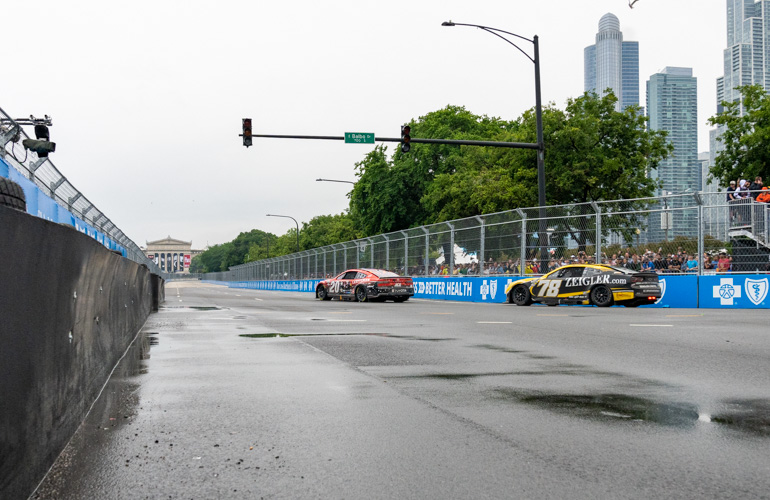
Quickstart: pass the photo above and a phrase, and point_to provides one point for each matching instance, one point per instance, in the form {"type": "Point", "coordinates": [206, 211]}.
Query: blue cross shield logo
{"type": "Point", "coordinates": [756, 290]}
{"type": "Point", "coordinates": [725, 291]}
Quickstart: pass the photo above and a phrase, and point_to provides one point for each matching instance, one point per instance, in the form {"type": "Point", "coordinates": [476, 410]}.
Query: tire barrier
{"type": "Point", "coordinates": [70, 309]}
{"type": "Point", "coordinates": [11, 195]}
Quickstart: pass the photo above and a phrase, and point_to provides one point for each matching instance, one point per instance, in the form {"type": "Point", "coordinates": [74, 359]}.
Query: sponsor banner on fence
{"type": "Point", "coordinates": [678, 291]}
{"type": "Point", "coordinates": [734, 291]}
{"type": "Point", "coordinates": [490, 289]}
{"type": "Point", "coordinates": [281, 286]}
{"type": "Point", "coordinates": [41, 205]}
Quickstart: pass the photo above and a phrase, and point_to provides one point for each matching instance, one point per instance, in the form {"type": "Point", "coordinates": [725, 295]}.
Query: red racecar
{"type": "Point", "coordinates": [366, 284]}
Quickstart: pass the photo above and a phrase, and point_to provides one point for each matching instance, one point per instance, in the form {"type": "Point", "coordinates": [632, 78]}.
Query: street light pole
{"type": "Point", "coordinates": [295, 221]}
{"type": "Point", "coordinates": [334, 180]}
{"type": "Point", "coordinates": [542, 222]}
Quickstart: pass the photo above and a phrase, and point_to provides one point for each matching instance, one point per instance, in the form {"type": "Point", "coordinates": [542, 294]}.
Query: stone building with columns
{"type": "Point", "coordinates": [171, 255]}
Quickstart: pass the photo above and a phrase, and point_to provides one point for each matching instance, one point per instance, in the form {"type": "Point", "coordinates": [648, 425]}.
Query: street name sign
{"type": "Point", "coordinates": [359, 138]}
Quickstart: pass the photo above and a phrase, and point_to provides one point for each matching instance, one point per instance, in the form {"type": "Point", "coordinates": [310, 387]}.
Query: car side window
{"type": "Point", "coordinates": [590, 271]}
{"type": "Point", "coordinates": [350, 275]}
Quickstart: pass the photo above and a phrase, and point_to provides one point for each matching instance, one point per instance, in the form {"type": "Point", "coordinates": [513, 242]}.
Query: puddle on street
{"type": "Point", "coordinates": [610, 407]}
{"type": "Point", "coordinates": [748, 415]}
{"type": "Point", "coordinates": [468, 376]}
{"type": "Point", "coordinates": [188, 308]}
{"type": "Point", "coordinates": [499, 348]}
{"type": "Point", "coordinates": [387, 335]}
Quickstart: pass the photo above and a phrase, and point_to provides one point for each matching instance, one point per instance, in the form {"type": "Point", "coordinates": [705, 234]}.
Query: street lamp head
{"type": "Point", "coordinates": [447, 23]}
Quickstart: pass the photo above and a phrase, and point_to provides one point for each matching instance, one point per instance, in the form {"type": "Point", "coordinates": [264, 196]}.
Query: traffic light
{"type": "Point", "coordinates": [406, 138]}
{"type": "Point", "coordinates": [247, 132]}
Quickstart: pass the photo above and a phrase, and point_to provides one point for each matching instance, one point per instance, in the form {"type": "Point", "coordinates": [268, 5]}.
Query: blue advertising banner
{"type": "Point", "coordinates": [41, 205]}
{"type": "Point", "coordinates": [281, 286]}
{"type": "Point", "coordinates": [481, 289]}
{"type": "Point", "coordinates": [679, 290]}
{"type": "Point", "coordinates": [734, 291]}
{"type": "Point", "coordinates": [46, 208]}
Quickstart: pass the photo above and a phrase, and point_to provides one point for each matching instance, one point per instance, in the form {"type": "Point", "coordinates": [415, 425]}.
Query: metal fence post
{"type": "Point", "coordinates": [482, 237]}
{"type": "Point", "coordinates": [598, 210]}
{"type": "Point", "coordinates": [371, 251]}
{"type": "Point", "coordinates": [427, 249]}
{"type": "Point", "coordinates": [406, 253]}
{"type": "Point", "coordinates": [387, 252]}
{"type": "Point", "coordinates": [523, 252]}
{"type": "Point", "coordinates": [701, 249]}
{"type": "Point", "coordinates": [451, 249]}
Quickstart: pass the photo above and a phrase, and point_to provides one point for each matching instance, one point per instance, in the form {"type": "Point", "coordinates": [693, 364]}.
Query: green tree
{"type": "Point", "coordinates": [397, 193]}
{"type": "Point", "coordinates": [598, 153]}
{"type": "Point", "coordinates": [326, 230]}
{"type": "Point", "coordinates": [746, 138]}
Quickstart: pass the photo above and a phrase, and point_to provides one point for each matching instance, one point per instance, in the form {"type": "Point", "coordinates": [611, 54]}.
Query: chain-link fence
{"type": "Point", "coordinates": [44, 174]}
{"type": "Point", "coordinates": [697, 233]}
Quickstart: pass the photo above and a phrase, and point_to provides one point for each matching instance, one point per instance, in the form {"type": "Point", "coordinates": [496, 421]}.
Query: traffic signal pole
{"type": "Point", "coordinates": [415, 140]}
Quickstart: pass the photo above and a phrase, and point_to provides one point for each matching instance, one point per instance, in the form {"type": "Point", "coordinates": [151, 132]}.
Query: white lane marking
{"type": "Point", "coordinates": [641, 324]}
{"type": "Point", "coordinates": [259, 300]}
{"type": "Point", "coordinates": [494, 322]}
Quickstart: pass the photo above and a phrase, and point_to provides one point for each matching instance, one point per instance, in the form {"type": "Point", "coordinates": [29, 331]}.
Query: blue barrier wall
{"type": "Point", "coordinates": [734, 291]}
{"type": "Point", "coordinates": [41, 205]}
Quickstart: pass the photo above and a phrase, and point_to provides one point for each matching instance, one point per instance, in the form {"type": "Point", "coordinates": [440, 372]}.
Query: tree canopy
{"type": "Point", "coordinates": [593, 152]}
{"type": "Point", "coordinates": [746, 138]}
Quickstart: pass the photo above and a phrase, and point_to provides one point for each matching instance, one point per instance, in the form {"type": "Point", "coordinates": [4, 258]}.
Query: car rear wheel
{"type": "Point", "coordinates": [601, 296]}
{"type": "Point", "coordinates": [321, 293]}
{"type": "Point", "coordinates": [360, 294]}
{"type": "Point", "coordinates": [521, 296]}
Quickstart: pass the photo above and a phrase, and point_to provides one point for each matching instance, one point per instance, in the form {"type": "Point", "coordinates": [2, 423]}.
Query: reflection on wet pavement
{"type": "Point", "coordinates": [609, 406]}
{"type": "Point", "coordinates": [388, 335]}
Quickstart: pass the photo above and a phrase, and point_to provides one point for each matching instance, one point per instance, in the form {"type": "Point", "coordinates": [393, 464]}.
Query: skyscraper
{"type": "Point", "coordinates": [672, 105]}
{"type": "Point", "coordinates": [746, 58]}
{"type": "Point", "coordinates": [612, 63]}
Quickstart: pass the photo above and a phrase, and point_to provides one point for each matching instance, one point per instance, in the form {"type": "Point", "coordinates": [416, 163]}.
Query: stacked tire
{"type": "Point", "coordinates": [11, 195]}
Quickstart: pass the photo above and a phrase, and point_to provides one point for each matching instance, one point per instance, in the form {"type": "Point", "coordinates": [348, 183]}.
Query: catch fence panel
{"type": "Point", "coordinates": [665, 234]}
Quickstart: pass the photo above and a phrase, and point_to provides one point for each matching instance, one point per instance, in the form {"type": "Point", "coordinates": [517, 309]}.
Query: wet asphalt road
{"type": "Point", "coordinates": [426, 400]}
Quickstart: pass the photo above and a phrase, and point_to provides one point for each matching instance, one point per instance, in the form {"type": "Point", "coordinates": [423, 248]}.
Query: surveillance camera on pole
{"type": "Point", "coordinates": [42, 144]}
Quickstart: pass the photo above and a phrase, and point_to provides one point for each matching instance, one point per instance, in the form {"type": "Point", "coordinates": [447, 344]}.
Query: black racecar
{"type": "Point", "coordinates": [587, 284]}
{"type": "Point", "coordinates": [366, 284]}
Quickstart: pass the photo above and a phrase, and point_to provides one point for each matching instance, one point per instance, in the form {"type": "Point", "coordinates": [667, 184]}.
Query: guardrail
{"type": "Point", "coordinates": [51, 183]}
{"type": "Point", "coordinates": [678, 233]}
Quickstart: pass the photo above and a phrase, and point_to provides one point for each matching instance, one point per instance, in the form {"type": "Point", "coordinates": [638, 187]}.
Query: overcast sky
{"type": "Point", "coordinates": [147, 96]}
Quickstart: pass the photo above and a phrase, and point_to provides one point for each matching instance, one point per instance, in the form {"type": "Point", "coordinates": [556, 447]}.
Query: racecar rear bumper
{"type": "Point", "coordinates": [391, 291]}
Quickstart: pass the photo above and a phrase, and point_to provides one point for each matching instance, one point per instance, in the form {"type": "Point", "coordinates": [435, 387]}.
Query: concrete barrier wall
{"type": "Point", "coordinates": [69, 308]}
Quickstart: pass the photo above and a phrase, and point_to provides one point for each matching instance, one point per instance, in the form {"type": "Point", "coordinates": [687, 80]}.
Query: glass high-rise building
{"type": "Point", "coordinates": [672, 105]}
{"type": "Point", "coordinates": [746, 58]}
{"type": "Point", "coordinates": [612, 63]}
